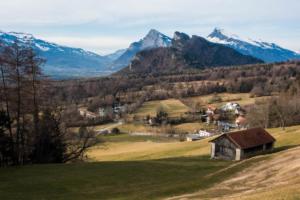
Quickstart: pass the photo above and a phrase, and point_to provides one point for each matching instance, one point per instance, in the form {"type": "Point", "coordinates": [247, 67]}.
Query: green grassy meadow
{"type": "Point", "coordinates": [173, 107]}
{"type": "Point", "coordinates": [135, 168]}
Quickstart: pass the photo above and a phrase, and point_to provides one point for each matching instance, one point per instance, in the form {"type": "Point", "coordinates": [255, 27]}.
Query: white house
{"type": "Point", "coordinates": [102, 112]}
{"type": "Point", "coordinates": [198, 136]}
{"type": "Point", "coordinates": [192, 137]}
{"type": "Point", "coordinates": [90, 115]}
{"type": "Point", "coordinates": [85, 113]}
{"type": "Point", "coordinates": [210, 112]}
{"type": "Point", "coordinates": [82, 112]}
{"type": "Point", "coordinates": [202, 133]}
{"type": "Point", "coordinates": [230, 106]}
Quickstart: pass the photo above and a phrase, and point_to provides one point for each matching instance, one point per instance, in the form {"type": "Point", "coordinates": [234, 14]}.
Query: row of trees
{"type": "Point", "coordinates": [259, 80]}
{"type": "Point", "coordinates": [271, 77]}
{"type": "Point", "coordinates": [278, 111]}
{"type": "Point", "coordinates": [31, 126]}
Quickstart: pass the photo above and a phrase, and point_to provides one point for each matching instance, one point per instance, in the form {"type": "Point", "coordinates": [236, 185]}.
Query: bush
{"type": "Point", "coordinates": [182, 137]}
{"type": "Point", "coordinates": [259, 91]}
{"type": "Point", "coordinates": [215, 99]}
{"type": "Point", "coordinates": [115, 131]}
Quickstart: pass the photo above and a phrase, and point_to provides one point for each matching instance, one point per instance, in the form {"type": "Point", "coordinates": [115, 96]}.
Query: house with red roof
{"type": "Point", "coordinates": [241, 144]}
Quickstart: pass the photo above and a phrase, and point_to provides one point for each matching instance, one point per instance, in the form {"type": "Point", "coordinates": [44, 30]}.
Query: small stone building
{"type": "Point", "coordinates": [241, 144]}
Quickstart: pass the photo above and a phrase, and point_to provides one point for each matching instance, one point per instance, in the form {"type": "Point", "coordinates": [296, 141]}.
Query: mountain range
{"type": "Point", "coordinates": [68, 62]}
{"type": "Point", "coordinates": [268, 52]}
{"type": "Point", "coordinates": [61, 61]}
{"type": "Point", "coordinates": [186, 53]}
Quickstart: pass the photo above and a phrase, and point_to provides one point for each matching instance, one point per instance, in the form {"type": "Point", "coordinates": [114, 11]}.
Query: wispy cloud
{"type": "Point", "coordinates": [102, 45]}
{"type": "Point", "coordinates": [132, 18]}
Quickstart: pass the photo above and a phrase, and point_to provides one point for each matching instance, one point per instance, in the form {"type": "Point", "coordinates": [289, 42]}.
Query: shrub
{"type": "Point", "coordinates": [115, 131]}
{"type": "Point", "coordinates": [215, 99]}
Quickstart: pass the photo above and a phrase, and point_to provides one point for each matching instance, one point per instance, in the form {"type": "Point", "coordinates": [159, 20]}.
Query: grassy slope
{"type": "Point", "coordinates": [173, 107]}
{"type": "Point", "coordinates": [240, 98]}
{"type": "Point", "coordinates": [108, 180]}
{"type": "Point", "coordinates": [146, 149]}
{"type": "Point", "coordinates": [142, 168]}
{"type": "Point", "coordinates": [183, 128]}
{"type": "Point", "coordinates": [193, 127]}
{"type": "Point", "coordinates": [277, 177]}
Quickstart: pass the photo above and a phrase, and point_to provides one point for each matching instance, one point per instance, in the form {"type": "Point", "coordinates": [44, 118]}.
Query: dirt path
{"type": "Point", "coordinates": [279, 174]}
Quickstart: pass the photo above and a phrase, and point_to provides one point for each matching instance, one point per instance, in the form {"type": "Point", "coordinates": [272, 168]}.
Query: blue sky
{"type": "Point", "coordinates": [104, 26]}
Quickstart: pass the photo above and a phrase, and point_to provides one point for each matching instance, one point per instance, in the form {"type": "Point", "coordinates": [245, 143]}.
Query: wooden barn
{"type": "Point", "coordinates": [241, 144]}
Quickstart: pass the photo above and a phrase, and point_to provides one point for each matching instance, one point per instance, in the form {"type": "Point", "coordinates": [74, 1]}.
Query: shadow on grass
{"type": "Point", "coordinates": [151, 179]}
{"type": "Point", "coordinates": [283, 148]}
{"type": "Point", "coordinates": [147, 179]}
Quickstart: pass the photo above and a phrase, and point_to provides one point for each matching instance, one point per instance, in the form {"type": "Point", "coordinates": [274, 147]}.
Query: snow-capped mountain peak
{"type": "Point", "coordinates": [269, 52]}
{"type": "Point", "coordinates": [221, 34]}
{"type": "Point", "coordinates": [153, 33]}
{"type": "Point", "coordinates": [153, 39]}
{"type": "Point", "coordinates": [16, 36]}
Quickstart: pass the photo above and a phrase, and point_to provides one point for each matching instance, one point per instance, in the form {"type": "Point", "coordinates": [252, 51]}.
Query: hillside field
{"type": "Point", "coordinates": [173, 107]}
{"type": "Point", "coordinates": [241, 98]}
{"type": "Point", "coordinates": [139, 167]}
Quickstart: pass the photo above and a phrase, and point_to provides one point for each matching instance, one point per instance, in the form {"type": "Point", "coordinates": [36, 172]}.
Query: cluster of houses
{"type": "Point", "coordinates": [237, 145]}
{"type": "Point", "coordinates": [214, 115]}
{"type": "Point", "coordinates": [115, 110]}
{"type": "Point", "coordinates": [241, 144]}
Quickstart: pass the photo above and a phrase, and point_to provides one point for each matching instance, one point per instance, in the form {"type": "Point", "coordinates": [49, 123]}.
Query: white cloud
{"type": "Point", "coordinates": [41, 12]}
{"type": "Point", "coordinates": [102, 45]}
{"type": "Point", "coordinates": [112, 18]}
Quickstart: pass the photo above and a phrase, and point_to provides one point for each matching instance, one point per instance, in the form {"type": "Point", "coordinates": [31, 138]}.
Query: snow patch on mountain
{"type": "Point", "coordinates": [42, 48]}
{"type": "Point", "coordinates": [269, 52]}
{"type": "Point", "coordinates": [154, 39]}
{"type": "Point", "coordinates": [61, 61]}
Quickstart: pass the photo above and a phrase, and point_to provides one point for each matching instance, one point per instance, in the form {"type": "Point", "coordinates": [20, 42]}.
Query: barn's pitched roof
{"type": "Point", "coordinates": [248, 138]}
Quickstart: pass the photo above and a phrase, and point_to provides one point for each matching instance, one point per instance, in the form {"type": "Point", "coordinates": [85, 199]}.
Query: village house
{"type": "Point", "coordinates": [82, 112]}
{"type": "Point", "coordinates": [199, 135]}
{"type": "Point", "coordinates": [87, 114]}
{"type": "Point", "coordinates": [241, 122]}
{"type": "Point", "coordinates": [230, 106]}
{"type": "Point", "coordinates": [211, 114]}
{"type": "Point", "coordinates": [233, 107]}
{"type": "Point", "coordinates": [102, 112]}
{"type": "Point", "coordinates": [90, 115]}
{"type": "Point", "coordinates": [225, 126]}
{"type": "Point", "coordinates": [241, 144]}
{"type": "Point", "coordinates": [192, 137]}
{"type": "Point", "coordinates": [203, 133]}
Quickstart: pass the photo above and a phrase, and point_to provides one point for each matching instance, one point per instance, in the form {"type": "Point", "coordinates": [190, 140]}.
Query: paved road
{"type": "Point", "coordinates": [99, 131]}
